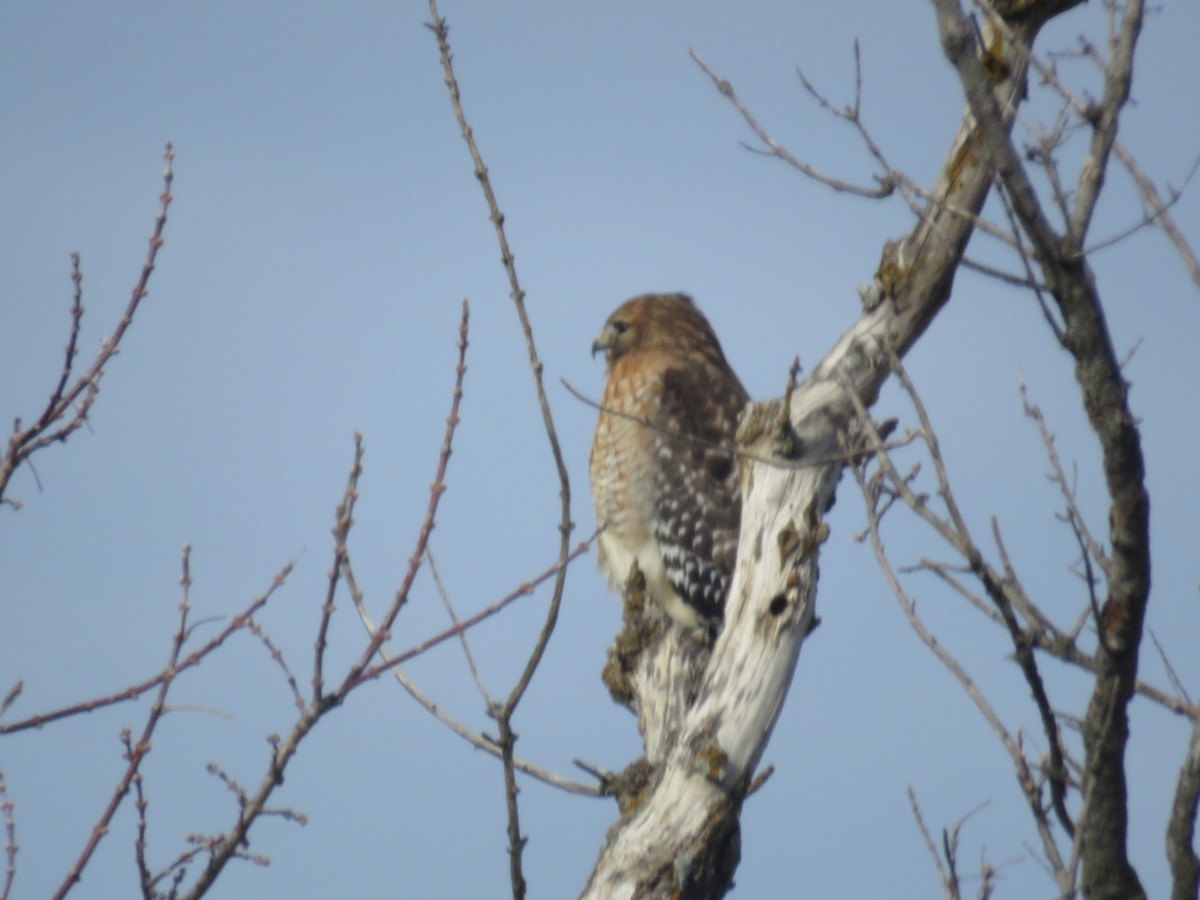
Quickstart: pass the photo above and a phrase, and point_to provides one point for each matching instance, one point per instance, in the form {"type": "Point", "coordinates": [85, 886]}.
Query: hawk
{"type": "Point", "coordinates": [664, 477]}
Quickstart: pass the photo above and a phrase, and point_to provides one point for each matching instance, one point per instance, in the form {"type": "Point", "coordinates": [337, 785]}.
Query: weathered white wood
{"type": "Point", "coordinates": [709, 749]}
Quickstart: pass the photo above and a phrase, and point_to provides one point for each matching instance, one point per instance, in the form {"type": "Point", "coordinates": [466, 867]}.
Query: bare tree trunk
{"type": "Point", "coordinates": [1103, 820]}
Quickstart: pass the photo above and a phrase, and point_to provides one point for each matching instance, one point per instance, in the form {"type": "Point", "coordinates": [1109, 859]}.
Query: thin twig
{"type": "Point", "coordinates": [73, 340]}
{"type": "Point", "coordinates": [1017, 281]}
{"type": "Point", "coordinates": [179, 864]}
{"type": "Point", "coordinates": [944, 572]}
{"type": "Point", "coordinates": [949, 885]}
{"type": "Point", "coordinates": [885, 189]}
{"type": "Point", "coordinates": [1039, 290]}
{"type": "Point", "coordinates": [1164, 219]}
{"type": "Point", "coordinates": [10, 840]}
{"type": "Point", "coordinates": [950, 841]}
{"type": "Point", "coordinates": [277, 655]}
{"type": "Point", "coordinates": [1038, 622]}
{"type": "Point", "coordinates": [11, 697]}
{"type": "Point", "coordinates": [139, 845]}
{"type": "Point", "coordinates": [1059, 477]}
{"type": "Point", "coordinates": [810, 461]}
{"type": "Point", "coordinates": [462, 635]}
{"type": "Point", "coordinates": [505, 712]}
{"type": "Point", "coordinates": [343, 521]}
{"type": "Point", "coordinates": [1181, 827]}
{"type": "Point", "coordinates": [1172, 675]}
{"type": "Point", "coordinates": [1149, 218]}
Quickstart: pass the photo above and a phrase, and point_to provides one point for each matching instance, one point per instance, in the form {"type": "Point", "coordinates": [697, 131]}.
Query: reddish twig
{"type": "Point", "coordinates": [436, 489]}
{"type": "Point", "coordinates": [11, 697]}
{"type": "Point", "coordinates": [343, 520]}
{"type": "Point", "coordinates": [462, 635]}
{"type": "Point", "coordinates": [23, 443]}
{"type": "Point", "coordinates": [194, 658]}
{"type": "Point", "coordinates": [10, 841]}
{"type": "Point", "coordinates": [135, 753]}
{"type": "Point", "coordinates": [277, 655]}
{"type": "Point", "coordinates": [139, 845]}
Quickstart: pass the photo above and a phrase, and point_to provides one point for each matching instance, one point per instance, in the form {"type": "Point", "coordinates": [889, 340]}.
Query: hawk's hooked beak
{"type": "Point", "coordinates": [603, 340]}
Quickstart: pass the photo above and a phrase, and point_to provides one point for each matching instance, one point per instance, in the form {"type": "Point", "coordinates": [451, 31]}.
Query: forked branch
{"type": "Point", "coordinates": [70, 402]}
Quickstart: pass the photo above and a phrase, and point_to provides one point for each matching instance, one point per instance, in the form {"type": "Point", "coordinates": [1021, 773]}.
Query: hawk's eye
{"type": "Point", "coordinates": [620, 327]}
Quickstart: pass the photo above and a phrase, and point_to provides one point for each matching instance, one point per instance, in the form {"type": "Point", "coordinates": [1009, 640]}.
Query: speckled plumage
{"type": "Point", "coordinates": [664, 477]}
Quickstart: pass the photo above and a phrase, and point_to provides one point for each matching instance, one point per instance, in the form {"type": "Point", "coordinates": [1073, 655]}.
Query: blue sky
{"type": "Point", "coordinates": [325, 229]}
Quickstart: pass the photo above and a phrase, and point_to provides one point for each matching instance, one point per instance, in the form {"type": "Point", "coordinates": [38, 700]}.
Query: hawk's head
{"type": "Point", "coordinates": [657, 322]}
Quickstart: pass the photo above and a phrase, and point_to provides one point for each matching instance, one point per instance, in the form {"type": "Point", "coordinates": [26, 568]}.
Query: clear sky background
{"type": "Point", "coordinates": [325, 230]}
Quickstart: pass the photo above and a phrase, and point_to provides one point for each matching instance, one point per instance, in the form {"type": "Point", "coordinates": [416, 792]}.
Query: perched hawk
{"type": "Point", "coordinates": [664, 478]}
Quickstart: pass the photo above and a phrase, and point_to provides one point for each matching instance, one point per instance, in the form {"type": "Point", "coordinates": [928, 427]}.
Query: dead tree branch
{"type": "Point", "coordinates": [690, 808]}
